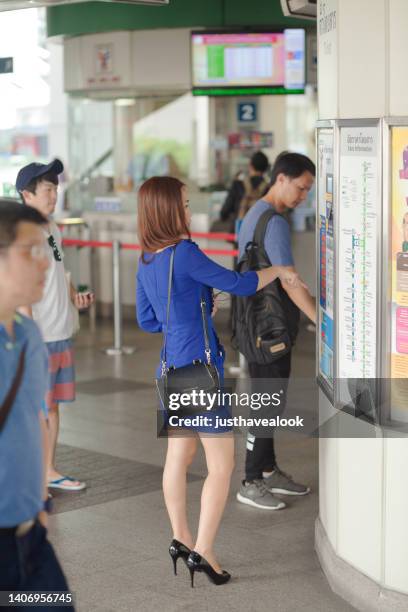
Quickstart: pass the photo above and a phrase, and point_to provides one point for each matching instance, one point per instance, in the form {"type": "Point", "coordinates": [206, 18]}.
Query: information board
{"type": "Point", "coordinates": [399, 264]}
{"type": "Point", "coordinates": [273, 61]}
{"type": "Point", "coordinates": [359, 197]}
{"type": "Point", "coordinates": [325, 202]}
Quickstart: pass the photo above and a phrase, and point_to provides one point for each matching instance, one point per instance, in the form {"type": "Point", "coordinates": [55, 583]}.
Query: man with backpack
{"type": "Point", "coordinates": [265, 326]}
{"type": "Point", "coordinates": [245, 191]}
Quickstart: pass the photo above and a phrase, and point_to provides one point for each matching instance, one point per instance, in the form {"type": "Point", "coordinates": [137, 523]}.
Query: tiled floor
{"type": "Point", "coordinates": [110, 478]}
{"type": "Point", "coordinates": [112, 539]}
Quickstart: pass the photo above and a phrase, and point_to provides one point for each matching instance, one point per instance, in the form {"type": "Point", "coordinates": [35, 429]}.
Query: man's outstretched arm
{"type": "Point", "coordinates": [302, 298]}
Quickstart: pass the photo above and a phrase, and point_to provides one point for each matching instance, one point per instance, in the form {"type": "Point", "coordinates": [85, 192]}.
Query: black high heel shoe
{"type": "Point", "coordinates": [176, 550]}
{"type": "Point", "coordinates": [197, 563]}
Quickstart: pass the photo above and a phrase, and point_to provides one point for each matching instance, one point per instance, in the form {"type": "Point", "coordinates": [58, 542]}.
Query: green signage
{"type": "Point", "coordinates": [244, 91]}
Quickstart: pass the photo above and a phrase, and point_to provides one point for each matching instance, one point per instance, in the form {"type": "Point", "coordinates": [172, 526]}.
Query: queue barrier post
{"type": "Point", "coordinates": [117, 348]}
{"type": "Point", "coordinates": [241, 369]}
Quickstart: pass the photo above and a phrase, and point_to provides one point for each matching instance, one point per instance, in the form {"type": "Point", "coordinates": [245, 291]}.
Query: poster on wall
{"type": "Point", "coordinates": [359, 197]}
{"type": "Point", "coordinates": [399, 266]}
{"type": "Point", "coordinates": [325, 152]}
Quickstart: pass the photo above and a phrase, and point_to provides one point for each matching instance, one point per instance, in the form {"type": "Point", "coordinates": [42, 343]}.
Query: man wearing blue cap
{"type": "Point", "coordinates": [37, 185]}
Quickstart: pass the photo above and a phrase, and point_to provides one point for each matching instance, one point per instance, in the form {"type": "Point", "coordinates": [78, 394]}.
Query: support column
{"type": "Point", "coordinates": [126, 113]}
{"type": "Point", "coordinates": [361, 535]}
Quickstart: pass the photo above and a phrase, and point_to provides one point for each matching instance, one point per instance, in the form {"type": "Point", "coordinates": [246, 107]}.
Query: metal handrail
{"type": "Point", "coordinates": [88, 172]}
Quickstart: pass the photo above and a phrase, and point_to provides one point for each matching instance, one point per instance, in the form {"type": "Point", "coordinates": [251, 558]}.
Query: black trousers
{"type": "Point", "coordinates": [29, 563]}
{"type": "Point", "coordinates": [260, 454]}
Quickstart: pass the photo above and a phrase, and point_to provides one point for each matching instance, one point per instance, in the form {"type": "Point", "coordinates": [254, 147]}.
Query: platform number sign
{"type": "Point", "coordinates": [247, 112]}
{"type": "Point", "coordinates": [6, 65]}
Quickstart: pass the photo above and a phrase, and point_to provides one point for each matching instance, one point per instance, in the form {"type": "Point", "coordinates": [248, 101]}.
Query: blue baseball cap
{"type": "Point", "coordinates": [35, 170]}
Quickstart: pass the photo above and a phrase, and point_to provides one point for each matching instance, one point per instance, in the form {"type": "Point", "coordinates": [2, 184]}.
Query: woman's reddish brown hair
{"type": "Point", "coordinates": [161, 217]}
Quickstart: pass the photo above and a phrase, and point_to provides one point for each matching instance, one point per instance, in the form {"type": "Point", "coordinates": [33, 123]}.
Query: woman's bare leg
{"type": "Point", "coordinates": [180, 454]}
{"type": "Point", "coordinates": [219, 454]}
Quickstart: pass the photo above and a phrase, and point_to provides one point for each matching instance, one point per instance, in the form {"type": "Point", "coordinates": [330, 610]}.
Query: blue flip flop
{"type": "Point", "coordinates": [58, 483]}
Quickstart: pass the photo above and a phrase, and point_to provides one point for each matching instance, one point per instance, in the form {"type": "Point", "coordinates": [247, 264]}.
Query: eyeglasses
{"type": "Point", "coordinates": [36, 251]}
{"type": "Point", "coordinates": [55, 249]}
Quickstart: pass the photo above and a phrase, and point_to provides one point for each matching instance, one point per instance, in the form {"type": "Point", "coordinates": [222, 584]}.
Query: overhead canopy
{"type": "Point", "coordinates": [13, 5]}
{"type": "Point", "coordinates": [93, 17]}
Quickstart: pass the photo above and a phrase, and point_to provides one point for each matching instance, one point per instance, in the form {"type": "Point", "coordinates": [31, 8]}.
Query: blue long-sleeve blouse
{"type": "Point", "coordinates": [193, 272]}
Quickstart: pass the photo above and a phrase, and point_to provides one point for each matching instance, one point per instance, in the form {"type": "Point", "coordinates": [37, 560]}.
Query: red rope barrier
{"type": "Point", "coordinates": [127, 246]}
{"type": "Point", "coordinates": [130, 247]}
{"type": "Point", "coordinates": [232, 253]}
{"type": "Point", "coordinates": [85, 243]}
{"type": "Point", "coordinates": [214, 236]}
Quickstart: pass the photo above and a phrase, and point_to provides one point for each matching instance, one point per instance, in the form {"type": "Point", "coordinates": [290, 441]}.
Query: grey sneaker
{"type": "Point", "coordinates": [279, 482]}
{"type": "Point", "coordinates": [256, 494]}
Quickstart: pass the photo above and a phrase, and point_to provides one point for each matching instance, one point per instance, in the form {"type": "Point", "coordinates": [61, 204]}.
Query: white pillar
{"type": "Point", "coordinates": [362, 529]}
{"type": "Point", "coordinates": [58, 109]}
{"type": "Point", "coordinates": [126, 113]}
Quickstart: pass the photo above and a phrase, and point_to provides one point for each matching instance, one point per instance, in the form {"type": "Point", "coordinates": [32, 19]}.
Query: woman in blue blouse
{"type": "Point", "coordinates": [163, 222]}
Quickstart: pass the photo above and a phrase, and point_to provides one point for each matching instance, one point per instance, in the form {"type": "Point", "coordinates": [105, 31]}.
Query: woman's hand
{"type": "Point", "coordinates": [291, 278]}
{"type": "Point", "coordinates": [216, 305]}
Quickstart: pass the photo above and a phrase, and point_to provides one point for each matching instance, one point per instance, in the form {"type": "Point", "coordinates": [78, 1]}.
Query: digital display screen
{"type": "Point", "coordinates": [272, 62]}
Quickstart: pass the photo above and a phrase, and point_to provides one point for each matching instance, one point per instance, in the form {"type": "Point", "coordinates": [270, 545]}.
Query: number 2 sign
{"type": "Point", "coordinates": [247, 112]}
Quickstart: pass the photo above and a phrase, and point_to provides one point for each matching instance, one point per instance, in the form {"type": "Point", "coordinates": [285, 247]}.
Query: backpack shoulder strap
{"type": "Point", "coordinates": [246, 197]}
{"type": "Point", "coordinates": [261, 226]}
{"type": "Point", "coordinates": [254, 192]}
{"type": "Point", "coordinates": [262, 187]}
{"type": "Point", "coordinates": [247, 186]}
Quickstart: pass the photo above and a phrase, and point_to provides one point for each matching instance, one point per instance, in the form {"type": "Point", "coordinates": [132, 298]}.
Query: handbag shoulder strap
{"type": "Point", "coordinates": [11, 395]}
{"type": "Point", "coordinates": [169, 286]}
{"type": "Point", "coordinates": [203, 317]}
{"type": "Point", "coordinates": [203, 305]}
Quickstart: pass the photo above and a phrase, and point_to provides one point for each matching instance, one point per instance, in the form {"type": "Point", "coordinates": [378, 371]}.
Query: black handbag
{"type": "Point", "coordinates": [185, 390]}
